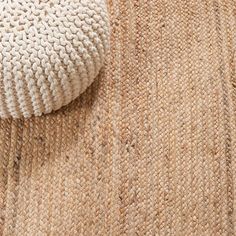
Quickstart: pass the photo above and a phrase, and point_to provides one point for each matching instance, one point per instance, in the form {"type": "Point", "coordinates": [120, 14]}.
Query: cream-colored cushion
{"type": "Point", "coordinates": [50, 52]}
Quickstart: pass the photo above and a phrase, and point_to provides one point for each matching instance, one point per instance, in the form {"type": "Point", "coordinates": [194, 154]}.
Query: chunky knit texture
{"type": "Point", "coordinates": [50, 52]}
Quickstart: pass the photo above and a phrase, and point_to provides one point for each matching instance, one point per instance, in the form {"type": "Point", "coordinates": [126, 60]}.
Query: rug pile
{"type": "Point", "coordinates": [149, 148]}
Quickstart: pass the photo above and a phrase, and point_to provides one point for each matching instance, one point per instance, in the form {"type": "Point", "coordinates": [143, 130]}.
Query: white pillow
{"type": "Point", "coordinates": [50, 52]}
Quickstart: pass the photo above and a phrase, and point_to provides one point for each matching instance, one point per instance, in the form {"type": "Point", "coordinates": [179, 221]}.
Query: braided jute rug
{"type": "Point", "coordinates": [150, 148]}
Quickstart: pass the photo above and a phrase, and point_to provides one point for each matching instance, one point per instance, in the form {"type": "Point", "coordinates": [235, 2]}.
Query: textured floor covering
{"type": "Point", "coordinates": [150, 148]}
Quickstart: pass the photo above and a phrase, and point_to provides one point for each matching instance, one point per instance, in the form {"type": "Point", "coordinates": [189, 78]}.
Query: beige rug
{"type": "Point", "coordinates": [150, 148]}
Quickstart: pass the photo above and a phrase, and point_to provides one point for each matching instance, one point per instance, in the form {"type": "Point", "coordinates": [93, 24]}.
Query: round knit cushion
{"type": "Point", "coordinates": [50, 52]}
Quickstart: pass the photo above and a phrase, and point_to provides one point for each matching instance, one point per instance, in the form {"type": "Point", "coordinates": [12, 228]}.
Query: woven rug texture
{"type": "Point", "coordinates": [149, 148]}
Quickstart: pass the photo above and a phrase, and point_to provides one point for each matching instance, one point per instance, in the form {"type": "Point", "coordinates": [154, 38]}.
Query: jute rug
{"type": "Point", "coordinates": [150, 148]}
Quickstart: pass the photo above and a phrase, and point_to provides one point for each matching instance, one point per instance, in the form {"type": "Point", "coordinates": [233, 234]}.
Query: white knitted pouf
{"type": "Point", "coordinates": [50, 52]}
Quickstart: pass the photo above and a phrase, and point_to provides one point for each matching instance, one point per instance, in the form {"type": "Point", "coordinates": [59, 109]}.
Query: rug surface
{"type": "Point", "coordinates": [150, 148]}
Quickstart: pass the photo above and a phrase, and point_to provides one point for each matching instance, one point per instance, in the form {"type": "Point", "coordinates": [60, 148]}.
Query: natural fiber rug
{"type": "Point", "coordinates": [150, 148]}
